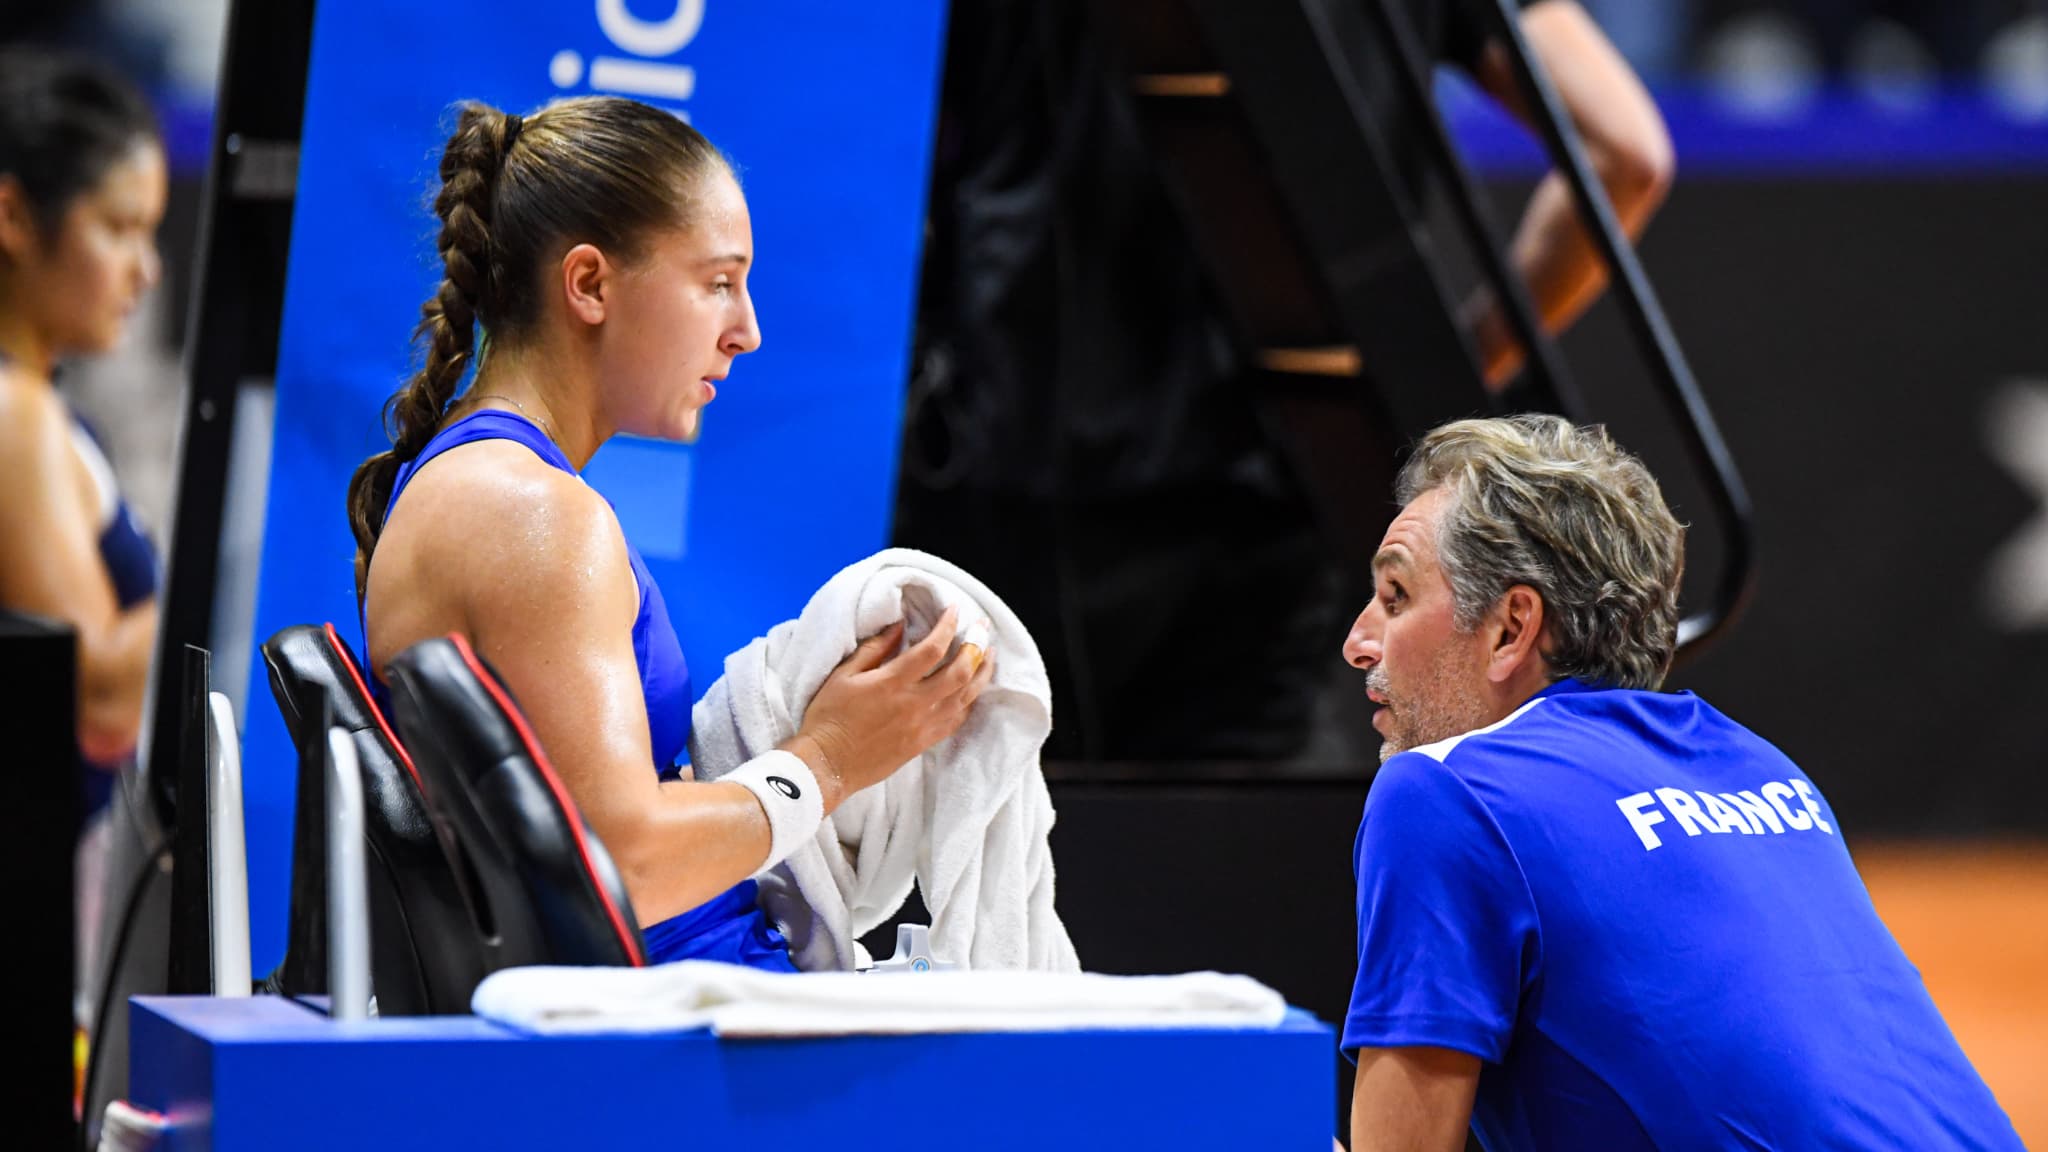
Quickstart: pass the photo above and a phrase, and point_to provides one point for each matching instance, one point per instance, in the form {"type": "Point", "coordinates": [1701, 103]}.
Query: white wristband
{"type": "Point", "coordinates": [789, 794]}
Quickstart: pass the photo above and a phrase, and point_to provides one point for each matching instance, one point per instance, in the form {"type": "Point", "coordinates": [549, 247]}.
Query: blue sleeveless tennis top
{"type": "Point", "coordinates": [731, 927]}
{"type": "Point", "coordinates": [131, 562]}
{"type": "Point", "coordinates": [125, 547]}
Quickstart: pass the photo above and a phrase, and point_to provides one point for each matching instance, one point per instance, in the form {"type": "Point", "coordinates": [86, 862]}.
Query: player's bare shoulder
{"type": "Point", "coordinates": [35, 446]}
{"type": "Point", "coordinates": [491, 525]}
{"type": "Point", "coordinates": [32, 418]}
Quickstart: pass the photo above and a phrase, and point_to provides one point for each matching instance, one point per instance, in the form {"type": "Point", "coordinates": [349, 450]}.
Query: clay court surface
{"type": "Point", "coordinates": [1974, 918]}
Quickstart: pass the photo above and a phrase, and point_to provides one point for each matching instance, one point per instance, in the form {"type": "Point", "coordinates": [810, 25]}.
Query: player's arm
{"type": "Point", "coordinates": [550, 602]}
{"type": "Point", "coordinates": [553, 609]}
{"type": "Point", "coordinates": [1412, 1099]}
{"type": "Point", "coordinates": [1631, 155]}
{"type": "Point", "coordinates": [50, 565]}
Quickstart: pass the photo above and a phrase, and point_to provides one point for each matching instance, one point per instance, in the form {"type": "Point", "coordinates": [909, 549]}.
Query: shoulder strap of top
{"type": "Point", "coordinates": [482, 424]}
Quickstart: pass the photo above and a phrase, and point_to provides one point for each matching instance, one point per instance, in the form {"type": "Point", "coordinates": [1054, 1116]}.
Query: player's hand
{"type": "Point", "coordinates": [878, 712]}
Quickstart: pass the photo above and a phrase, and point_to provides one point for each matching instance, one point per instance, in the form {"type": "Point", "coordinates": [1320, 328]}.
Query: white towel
{"type": "Point", "coordinates": [738, 1001]}
{"type": "Point", "coordinates": [126, 1128]}
{"type": "Point", "coordinates": [968, 821]}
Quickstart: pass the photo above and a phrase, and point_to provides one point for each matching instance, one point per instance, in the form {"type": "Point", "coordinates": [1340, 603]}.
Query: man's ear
{"type": "Point", "coordinates": [586, 279]}
{"type": "Point", "coordinates": [19, 235]}
{"type": "Point", "coordinates": [1515, 632]}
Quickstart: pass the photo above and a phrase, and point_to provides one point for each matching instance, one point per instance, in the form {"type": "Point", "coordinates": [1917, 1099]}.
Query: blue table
{"type": "Point", "coordinates": [269, 1073]}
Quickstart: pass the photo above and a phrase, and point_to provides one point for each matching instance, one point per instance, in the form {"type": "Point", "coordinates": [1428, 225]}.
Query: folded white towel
{"type": "Point", "coordinates": [738, 1001]}
{"type": "Point", "coordinates": [968, 821]}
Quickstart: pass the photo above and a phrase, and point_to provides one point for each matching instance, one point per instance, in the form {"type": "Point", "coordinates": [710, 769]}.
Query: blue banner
{"type": "Point", "coordinates": [827, 112]}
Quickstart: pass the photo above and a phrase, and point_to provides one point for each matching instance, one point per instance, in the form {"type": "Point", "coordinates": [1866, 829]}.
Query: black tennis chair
{"type": "Point", "coordinates": [553, 893]}
{"type": "Point", "coordinates": [431, 939]}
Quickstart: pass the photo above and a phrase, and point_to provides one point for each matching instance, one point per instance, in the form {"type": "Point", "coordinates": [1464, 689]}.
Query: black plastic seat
{"type": "Point", "coordinates": [553, 893]}
{"type": "Point", "coordinates": [431, 941]}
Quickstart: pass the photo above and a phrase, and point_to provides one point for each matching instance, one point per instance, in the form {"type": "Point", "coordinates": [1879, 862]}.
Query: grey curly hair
{"type": "Point", "coordinates": [1536, 500]}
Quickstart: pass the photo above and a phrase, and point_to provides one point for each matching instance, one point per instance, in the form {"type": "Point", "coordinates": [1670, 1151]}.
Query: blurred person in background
{"type": "Point", "coordinates": [82, 191]}
{"type": "Point", "coordinates": [1625, 139]}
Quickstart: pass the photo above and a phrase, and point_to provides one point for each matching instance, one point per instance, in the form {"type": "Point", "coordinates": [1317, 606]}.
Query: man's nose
{"type": "Point", "coordinates": [1362, 645]}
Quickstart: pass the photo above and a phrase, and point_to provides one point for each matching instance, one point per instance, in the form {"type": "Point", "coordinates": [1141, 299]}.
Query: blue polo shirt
{"type": "Point", "coordinates": [1641, 917]}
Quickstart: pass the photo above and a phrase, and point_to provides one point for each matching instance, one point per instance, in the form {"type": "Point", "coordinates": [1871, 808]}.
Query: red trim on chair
{"type": "Point", "coordinates": [554, 783]}
{"type": "Point", "coordinates": [376, 713]}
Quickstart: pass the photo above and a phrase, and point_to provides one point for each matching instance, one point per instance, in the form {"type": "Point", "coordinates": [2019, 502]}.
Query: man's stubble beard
{"type": "Point", "coordinates": [1445, 703]}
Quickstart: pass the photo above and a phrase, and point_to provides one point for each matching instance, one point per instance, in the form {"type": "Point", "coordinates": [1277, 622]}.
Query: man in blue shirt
{"type": "Point", "coordinates": [1592, 915]}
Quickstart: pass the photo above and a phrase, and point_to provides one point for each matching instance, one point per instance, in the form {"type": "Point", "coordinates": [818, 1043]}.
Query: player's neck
{"type": "Point", "coordinates": [23, 347]}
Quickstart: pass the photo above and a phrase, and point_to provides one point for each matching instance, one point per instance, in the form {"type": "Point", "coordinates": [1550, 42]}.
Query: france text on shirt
{"type": "Point", "coordinates": [1749, 813]}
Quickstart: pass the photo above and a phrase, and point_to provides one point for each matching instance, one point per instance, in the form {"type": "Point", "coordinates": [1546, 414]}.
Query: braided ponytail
{"type": "Point", "coordinates": [470, 166]}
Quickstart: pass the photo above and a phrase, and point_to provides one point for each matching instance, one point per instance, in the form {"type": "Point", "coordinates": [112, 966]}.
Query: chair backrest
{"type": "Point", "coordinates": [189, 971]}
{"type": "Point", "coordinates": [227, 850]}
{"type": "Point", "coordinates": [431, 939]}
{"type": "Point", "coordinates": [348, 877]}
{"type": "Point", "coordinates": [554, 893]}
